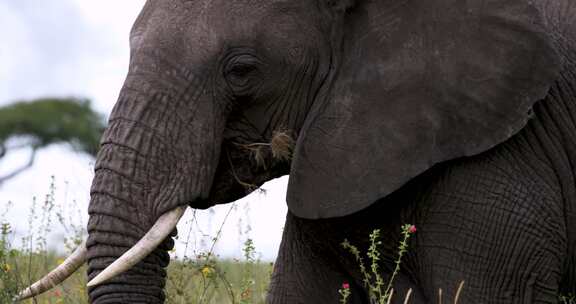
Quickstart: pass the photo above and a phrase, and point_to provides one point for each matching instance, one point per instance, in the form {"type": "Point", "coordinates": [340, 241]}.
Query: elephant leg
{"type": "Point", "coordinates": [306, 270]}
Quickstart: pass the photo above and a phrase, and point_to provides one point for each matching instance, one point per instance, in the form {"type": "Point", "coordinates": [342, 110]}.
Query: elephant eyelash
{"type": "Point", "coordinates": [241, 70]}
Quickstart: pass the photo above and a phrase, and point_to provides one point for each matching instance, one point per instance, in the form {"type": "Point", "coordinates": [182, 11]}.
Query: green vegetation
{"type": "Point", "coordinates": [567, 299]}
{"type": "Point", "coordinates": [188, 281]}
{"type": "Point", "coordinates": [373, 280]}
{"type": "Point", "coordinates": [39, 123]}
{"type": "Point", "coordinates": [203, 278]}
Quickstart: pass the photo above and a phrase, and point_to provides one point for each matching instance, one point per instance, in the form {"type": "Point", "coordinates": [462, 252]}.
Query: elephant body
{"type": "Point", "coordinates": [503, 222]}
{"type": "Point", "coordinates": [456, 116]}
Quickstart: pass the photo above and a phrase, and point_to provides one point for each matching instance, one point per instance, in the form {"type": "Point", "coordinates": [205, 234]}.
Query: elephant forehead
{"type": "Point", "coordinates": [214, 17]}
{"type": "Point", "coordinates": [178, 22]}
{"type": "Point", "coordinates": [207, 25]}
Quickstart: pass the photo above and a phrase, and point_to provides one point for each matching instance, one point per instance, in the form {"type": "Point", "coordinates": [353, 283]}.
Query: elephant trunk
{"type": "Point", "coordinates": [110, 236]}
{"type": "Point", "coordinates": [157, 156]}
{"type": "Point", "coordinates": [120, 215]}
{"type": "Point", "coordinates": [153, 238]}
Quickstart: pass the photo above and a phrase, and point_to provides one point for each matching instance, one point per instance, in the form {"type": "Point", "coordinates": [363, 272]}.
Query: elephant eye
{"type": "Point", "coordinates": [242, 73]}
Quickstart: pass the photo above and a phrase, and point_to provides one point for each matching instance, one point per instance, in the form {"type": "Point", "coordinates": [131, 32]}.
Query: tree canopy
{"type": "Point", "coordinates": [42, 122]}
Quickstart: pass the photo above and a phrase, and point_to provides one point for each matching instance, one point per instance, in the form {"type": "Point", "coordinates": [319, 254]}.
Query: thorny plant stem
{"type": "Point", "coordinates": [402, 249]}
{"type": "Point", "coordinates": [356, 253]}
{"type": "Point", "coordinates": [374, 256]}
{"type": "Point", "coordinates": [375, 288]}
{"type": "Point", "coordinates": [344, 294]}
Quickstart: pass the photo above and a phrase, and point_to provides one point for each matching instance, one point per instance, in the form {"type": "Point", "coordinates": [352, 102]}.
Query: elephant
{"type": "Point", "coordinates": [458, 117]}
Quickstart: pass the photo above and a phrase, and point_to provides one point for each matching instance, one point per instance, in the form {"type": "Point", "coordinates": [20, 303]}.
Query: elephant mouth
{"type": "Point", "coordinates": [234, 180]}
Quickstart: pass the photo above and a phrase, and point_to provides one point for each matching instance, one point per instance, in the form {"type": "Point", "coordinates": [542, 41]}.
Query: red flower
{"type": "Point", "coordinates": [345, 285]}
{"type": "Point", "coordinates": [57, 293]}
{"type": "Point", "coordinates": [412, 229]}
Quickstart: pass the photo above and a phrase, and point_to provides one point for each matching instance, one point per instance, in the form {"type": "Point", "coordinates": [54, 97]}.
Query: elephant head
{"type": "Point", "coordinates": [351, 98]}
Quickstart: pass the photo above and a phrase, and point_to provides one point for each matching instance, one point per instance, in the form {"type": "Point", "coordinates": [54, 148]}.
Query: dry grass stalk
{"type": "Point", "coordinates": [282, 145]}
{"type": "Point", "coordinates": [249, 187]}
{"type": "Point", "coordinates": [258, 155]}
{"type": "Point", "coordinates": [390, 296]}
{"type": "Point", "coordinates": [257, 152]}
{"type": "Point", "coordinates": [439, 295]}
{"type": "Point", "coordinates": [408, 294]}
{"type": "Point", "coordinates": [460, 287]}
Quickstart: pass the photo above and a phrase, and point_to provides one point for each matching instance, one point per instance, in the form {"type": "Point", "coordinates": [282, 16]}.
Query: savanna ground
{"type": "Point", "coordinates": [197, 277]}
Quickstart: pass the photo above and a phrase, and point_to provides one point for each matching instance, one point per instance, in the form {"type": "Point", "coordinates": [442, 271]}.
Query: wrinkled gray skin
{"type": "Point", "coordinates": [402, 112]}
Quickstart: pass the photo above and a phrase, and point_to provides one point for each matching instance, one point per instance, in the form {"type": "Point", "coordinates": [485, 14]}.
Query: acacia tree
{"type": "Point", "coordinates": [39, 123]}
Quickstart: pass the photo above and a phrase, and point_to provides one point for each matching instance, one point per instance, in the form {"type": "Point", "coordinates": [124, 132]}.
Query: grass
{"type": "Point", "coordinates": [200, 278]}
{"type": "Point", "coordinates": [221, 282]}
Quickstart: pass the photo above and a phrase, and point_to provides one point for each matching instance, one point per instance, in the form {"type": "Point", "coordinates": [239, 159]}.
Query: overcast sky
{"type": "Point", "coordinates": [80, 48]}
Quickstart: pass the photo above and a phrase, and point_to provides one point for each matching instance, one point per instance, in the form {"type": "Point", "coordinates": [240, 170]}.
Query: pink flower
{"type": "Point", "coordinates": [412, 229]}
{"type": "Point", "coordinates": [345, 285]}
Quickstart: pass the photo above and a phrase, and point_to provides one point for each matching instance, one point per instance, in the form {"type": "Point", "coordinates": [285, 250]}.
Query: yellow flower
{"type": "Point", "coordinates": [7, 268]}
{"type": "Point", "coordinates": [207, 270]}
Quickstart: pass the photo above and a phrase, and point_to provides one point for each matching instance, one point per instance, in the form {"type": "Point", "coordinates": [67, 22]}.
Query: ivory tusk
{"type": "Point", "coordinates": [56, 276]}
{"type": "Point", "coordinates": [156, 235]}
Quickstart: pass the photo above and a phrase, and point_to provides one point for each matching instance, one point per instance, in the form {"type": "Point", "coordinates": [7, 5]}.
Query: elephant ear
{"type": "Point", "coordinates": [419, 82]}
